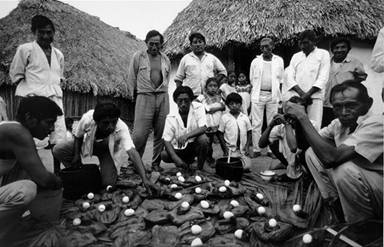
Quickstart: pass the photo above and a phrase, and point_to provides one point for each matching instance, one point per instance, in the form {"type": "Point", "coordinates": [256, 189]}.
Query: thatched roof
{"type": "Point", "coordinates": [96, 55]}
{"type": "Point", "coordinates": [246, 21]}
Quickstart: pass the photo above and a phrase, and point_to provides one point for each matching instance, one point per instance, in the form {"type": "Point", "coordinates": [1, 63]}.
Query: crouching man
{"type": "Point", "coordinates": [346, 157]}
{"type": "Point", "coordinates": [24, 180]}
{"type": "Point", "coordinates": [184, 130]}
{"type": "Point", "coordinates": [101, 133]}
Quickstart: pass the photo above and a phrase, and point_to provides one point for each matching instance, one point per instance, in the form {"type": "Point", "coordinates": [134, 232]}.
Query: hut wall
{"type": "Point", "coordinates": [75, 104]}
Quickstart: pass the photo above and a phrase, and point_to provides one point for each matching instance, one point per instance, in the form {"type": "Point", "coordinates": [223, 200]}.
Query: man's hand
{"type": "Point", "coordinates": [180, 163]}
{"type": "Point", "coordinates": [294, 109]}
{"type": "Point", "coordinates": [182, 140]}
{"type": "Point", "coordinates": [277, 120]}
{"type": "Point", "coordinates": [152, 189]}
{"type": "Point", "coordinates": [307, 99]}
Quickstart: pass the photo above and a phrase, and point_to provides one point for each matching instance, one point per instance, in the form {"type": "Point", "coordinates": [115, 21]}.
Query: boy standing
{"type": "Point", "coordinates": [235, 130]}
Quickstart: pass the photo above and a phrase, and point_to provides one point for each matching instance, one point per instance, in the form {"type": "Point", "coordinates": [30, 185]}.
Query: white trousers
{"type": "Point", "coordinates": [315, 113]}
{"type": "Point", "coordinates": [257, 116]}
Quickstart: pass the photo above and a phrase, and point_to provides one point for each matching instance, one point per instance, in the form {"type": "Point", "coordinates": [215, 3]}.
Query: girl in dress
{"type": "Point", "coordinates": [244, 88]}
{"type": "Point", "coordinates": [214, 106]}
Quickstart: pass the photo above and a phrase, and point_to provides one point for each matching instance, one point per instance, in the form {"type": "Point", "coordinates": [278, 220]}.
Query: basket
{"type": "Point", "coordinates": [80, 180]}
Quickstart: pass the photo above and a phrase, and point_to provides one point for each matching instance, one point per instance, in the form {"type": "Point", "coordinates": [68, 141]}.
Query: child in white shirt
{"type": "Point", "coordinates": [235, 130]}
{"type": "Point", "coordinates": [244, 88]}
{"type": "Point", "coordinates": [228, 85]}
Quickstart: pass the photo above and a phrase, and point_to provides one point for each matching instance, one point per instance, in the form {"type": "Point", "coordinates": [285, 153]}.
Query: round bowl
{"type": "Point", "coordinates": [267, 175]}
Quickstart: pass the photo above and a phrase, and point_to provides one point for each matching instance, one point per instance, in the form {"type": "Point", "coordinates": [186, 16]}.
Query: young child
{"type": "Point", "coordinates": [286, 141]}
{"type": "Point", "coordinates": [214, 108]}
{"type": "Point", "coordinates": [228, 85]}
{"type": "Point", "coordinates": [235, 130]}
{"type": "Point", "coordinates": [243, 88]}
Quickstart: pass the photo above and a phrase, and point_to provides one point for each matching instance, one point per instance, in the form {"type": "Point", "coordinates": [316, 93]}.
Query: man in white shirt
{"type": "Point", "coordinates": [102, 133]}
{"type": "Point", "coordinates": [308, 74]}
{"type": "Point", "coordinates": [266, 74]}
{"type": "Point", "coordinates": [346, 157]}
{"type": "Point", "coordinates": [38, 68]}
{"type": "Point", "coordinates": [377, 59]}
{"type": "Point", "coordinates": [197, 66]}
{"type": "Point", "coordinates": [184, 132]}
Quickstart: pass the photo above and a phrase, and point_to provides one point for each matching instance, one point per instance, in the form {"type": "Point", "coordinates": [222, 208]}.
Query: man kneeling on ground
{"type": "Point", "coordinates": [102, 133]}
{"type": "Point", "coordinates": [184, 130]}
{"type": "Point", "coordinates": [23, 176]}
{"type": "Point", "coordinates": [286, 141]}
{"type": "Point", "coordinates": [346, 157]}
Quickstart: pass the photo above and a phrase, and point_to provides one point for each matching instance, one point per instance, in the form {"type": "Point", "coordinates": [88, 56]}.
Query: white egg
{"type": "Point", "coordinates": [173, 186]}
{"type": "Point", "coordinates": [260, 196]}
{"type": "Point", "coordinates": [198, 178]}
{"type": "Point", "coordinates": [261, 210]}
{"type": "Point", "coordinates": [204, 204]}
{"type": "Point", "coordinates": [222, 189]}
{"type": "Point", "coordinates": [272, 223]}
{"type": "Point", "coordinates": [129, 212]}
{"type": "Point", "coordinates": [86, 205]}
{"type": "Point", "coordinates": [228, 215]}
{"type": "Point", "coordinates": [227, 182]}
{"type": "Point", "coordinates": [101, 208]}
{"type": "Point", "coordinates": [181, 179]}
{"type": "Point", "coordinates": [197, 242]}
{"type": "Point", "coordinates": [296, 208]}
{"type": "Point", "coordinates": [197, 190]}
{"type": "Point", "coordinates": [178, 174]}
{"type": "Point", "coordinates": [234, 203]}
{"type": "Point", "coordinates": [109, 187]}
{"type": "Point", "coordinates": [307, 238]}
{"type": "Point", "coordinates": [90, 196]}
{"type": "Point", "coordinates": [185, 205]}
{"type": "Point", "coordinates": [125, 199]}
{"type": "Point", "coordinates": [178, 195]}
{"type": "Point", "coordinates": [196, 229]}
{"type": "Point", "coordinates": [76, 221]}
{"type": "Point", "coordinates": [239, 233]}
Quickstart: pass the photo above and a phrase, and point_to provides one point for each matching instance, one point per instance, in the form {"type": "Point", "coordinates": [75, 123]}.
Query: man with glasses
{"type": "Point", "coordinates": [148, 83]}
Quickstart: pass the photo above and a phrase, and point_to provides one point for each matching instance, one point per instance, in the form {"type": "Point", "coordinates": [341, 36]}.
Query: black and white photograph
{"type": "Point", "coordinates": [175, 123]}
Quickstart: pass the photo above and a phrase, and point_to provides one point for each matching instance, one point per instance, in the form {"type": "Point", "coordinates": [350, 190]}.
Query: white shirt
{"type": "Point", "coordinates": [31, 69]}
{"type": "Point", "coordinates": [266, 79]}
{"type": "Point", "coordinates": [174, 126]}
{"type": "Point", "coordinates": [256, 75]}
{"type": "Point", "coordinates": [233, 127]}
{"type": "Point", "coordinates": [226, 89]}
{"type": "Point", "coordinates": [213, 119]}
{"type": "Point", "coordinates": [309, 71]}
{"type": "Point", "coordinates": [194, 72]}
{"type": "Point", "coordinates": [120, 140]}
{"type": "Point", "coordinates": [377, 59]}
{"type": "Point", "coordinates": [367, 139]}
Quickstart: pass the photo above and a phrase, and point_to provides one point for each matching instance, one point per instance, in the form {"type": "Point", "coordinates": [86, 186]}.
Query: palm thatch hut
{"type": "Point", "coordinates": [96, 55]}
{"type": "Point", "coordinates": [233, 28]}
